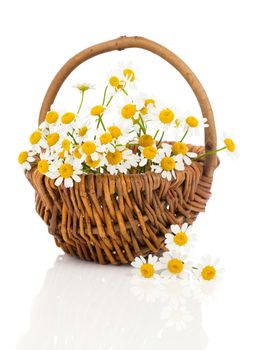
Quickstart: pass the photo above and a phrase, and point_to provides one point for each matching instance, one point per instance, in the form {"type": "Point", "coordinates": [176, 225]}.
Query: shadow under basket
{"type": "Point", "coordinates": [114, 218]}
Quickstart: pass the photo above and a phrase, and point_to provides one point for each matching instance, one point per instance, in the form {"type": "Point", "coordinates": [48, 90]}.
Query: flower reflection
{"type": "Point", "coordinates": [87, 306]}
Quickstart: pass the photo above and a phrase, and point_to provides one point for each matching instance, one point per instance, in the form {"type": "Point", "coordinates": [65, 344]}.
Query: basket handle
{"type": "Point", "coordinates": [122, 43]}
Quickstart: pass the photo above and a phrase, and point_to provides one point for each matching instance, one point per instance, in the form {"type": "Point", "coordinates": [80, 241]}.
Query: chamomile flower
{"type": "Point", "coordinates": [84, 87]}
{"type": "Point", "coordinates": [67, 171]}
{"type": "Point", "coordinates": [181, 237]}
{"type": "Point", "coordinates": [194, 125]}
{"type": "Point", "coordinates": [90, 148]}
{"type": "Point", "coordinates": [130, 108]}
{"type": "Point", "coordinates": [230, 146]}
{"type": "Point", "coordinates": [45, 165]}
{"type": "Point", "coordinates": [116, 80]}
{"type": "Point", "coordinates": [105, 141]}
{"type": "Point", "coordinates": [147, 154]}
{"type": "Point", "coordinates": [164, 118]}
{"type": "Point", "coordinates": [95, 164]}
{"type": "Point", "coordinates": [208, 271]}
{"type": "Point", "coordinates": [146, 268]}
{"type": "Point", "coordinates": [37, 140]}
{"type": "Point", "coordinates": [121, 160]}
{"type": "Point", "coordinates": [182, 148]}
{"type": "Point", "coordinates": [165, 163]}
{"type": "Point", "coordinates": [175, 265]}
{"type": "Point", "coordinates": [68, 122]}
{"type": "Point", "coordinates": [121, 131]}
{"type": "Point", "coordinates": [50, 122]}
{"type": "Point", "coordinates": [25, 158]}
{"type": "Point", "coordinates": [128, 74]}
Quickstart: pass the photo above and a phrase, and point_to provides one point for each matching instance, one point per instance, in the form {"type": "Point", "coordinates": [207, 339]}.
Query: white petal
{"type": "Point", "coordinates": [59, 181]}
{"type": "Point", "coordinates": [175, 228]}
{"type": "Point", "coordinates": [184, 227]}
{"type": "Point", "coordinates": [68, 182]}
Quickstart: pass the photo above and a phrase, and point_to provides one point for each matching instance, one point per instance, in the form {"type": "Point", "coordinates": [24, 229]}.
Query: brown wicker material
{"type": "Point", "coordinates": [114, 218]}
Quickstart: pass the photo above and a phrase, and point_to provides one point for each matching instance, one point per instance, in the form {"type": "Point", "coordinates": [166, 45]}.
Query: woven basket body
{"type": "Point", "coordinates": [114, 218]}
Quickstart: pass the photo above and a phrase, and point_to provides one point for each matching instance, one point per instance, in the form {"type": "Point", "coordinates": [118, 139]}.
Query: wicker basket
{"type": "Point", "coordinates": [114, 218]}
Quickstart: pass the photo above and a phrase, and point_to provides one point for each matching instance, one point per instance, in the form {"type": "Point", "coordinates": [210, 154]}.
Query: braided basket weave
{"type": "Point", "coordinates": [114, 218]}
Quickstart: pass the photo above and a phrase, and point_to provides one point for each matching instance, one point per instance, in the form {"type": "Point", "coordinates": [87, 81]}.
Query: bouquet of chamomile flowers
{"type": "Point", "coordinates": [122, 137]}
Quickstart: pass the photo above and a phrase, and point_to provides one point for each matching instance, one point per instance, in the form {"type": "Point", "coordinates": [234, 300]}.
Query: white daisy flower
{"type": "Point", "coordinates": [208, 271]}
{"type": "Point", "coordinates": [146, 267]}
{"type": "Point", "coordinates": [38, 141]}
{"type": "Point", "coordinates": [122, 131]}
{"type": "Point", "coordinates": [165, 118]}
{"type": "Point", "coordinates": [46, 165]}
{"type": "Point", "coordinates": [50, 123]}
{"type": "Point", "coordinates": [130, 108]}
{"type": "Point", "coordinates": [176, 316]}
{"type": "Point", "coordinates": [147, 154]}
{"type": "Point", "coordinates": [230, 146]}
{"type": "Point", "coordinates": [194, 125]}
{"type": "Point", "coordinates": [84, 86]}
{"type": "Point", "coordinates": [181, 237]}
{"type": "Point", "coordinates": [182, 148]}
{"type": "Point", "coordinates": [175, 265]}
{"type": "Point", "coordinates": [128, 74]}
{"type": "Point", "coordinates": [97, 164]}
{"type": "Point", "coordinates": [166, 164]}
{"type": "Point", "coordinates": [116, 80]}
{"type": "Point", "coordinates": [25, 158]}
{"type": "Point", "coordinates": [66, 171]}
{"type": "Point", "coordinates": [68, 122]}
{"type": "Point", "coordinates": [121, 160]}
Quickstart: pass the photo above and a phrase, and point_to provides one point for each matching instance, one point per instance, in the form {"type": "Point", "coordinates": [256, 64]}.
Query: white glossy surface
{"type": "Point", "coordinates": [49, 302]}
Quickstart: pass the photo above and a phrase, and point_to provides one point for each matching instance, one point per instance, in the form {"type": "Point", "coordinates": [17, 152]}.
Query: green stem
{"type": "Point", "coordinates": [125, 92]}
{"type": "Point", "coordinates": [81, 101]}
{"type": "Point", "coordinates": [210, 152]}
{"type": "Point", "coordinates": [155, 135]}
{"type": "Point", "coordinates": [184, 135]}
{"type": "Point", "coordinates": [104, 95]}
{"type": "Point", "coordinates": [142, 125]}
{"type": "Point", "coordinates": [160, 139]}
{"type": "Point", "coordinates": [109, 100]}
{"type": "Point", "coordinates": [73, 138]}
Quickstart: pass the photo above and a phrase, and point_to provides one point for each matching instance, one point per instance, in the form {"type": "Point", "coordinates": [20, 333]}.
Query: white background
{"type": "Point", "coordinates": [72, 305]}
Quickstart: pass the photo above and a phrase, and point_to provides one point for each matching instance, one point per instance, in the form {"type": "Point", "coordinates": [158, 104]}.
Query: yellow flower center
{"type": "Point", "coordinates": [83, 131]}
{"type": "Point", "coordinates": [77, 153]}
{"type": "Point", "coordinates": [149, 152]}
{"type": "Point", "coordinates": [168, 163]}
{"type": "Point", "coordinates": [128, 111]}
{"type": "Point", "coordinates": [83, 87]}
{"type": "Point", "coordinates": [114, 81]}
{"type": "Point", "coordinates": [146, 140]}
{"type": "Point", "coordinates": [147, 270]}
{"type": "Point", "coordinates": [52, 139]}
{"type": "Point", "coordinates": [144, 110]}
{"type": "Point", "coordinates": [66, 144]}
{"type": "Point", "coordinates": [192, 121]}
{"type": "Point", "coordinates": [180, 239]}
{"type": "Point", "coordinates": [114, 158]}
{"type": "Point", "coordinates": [129, 74]}
{"type": "Point", "coordinates": [230, 145]}
{"type": "Point", "coordinates": [92, 163]}
{"type": "Point", "coordinates": [105, 138]}
{"type": "Point", "coordinates": [22, 157]}
{"type": "Point", "coordinates": [175, 266]}
{"type": "Point", "coordinates": [115, 131]}
{"type": "Point", "coordinates": [149, 101]}
{"type": "Point", "coordinates": [51, 117]}
{"type": "Point", "coordinates": [88, 147]}
{"type": "Point", "coordinates": [35, 137]}
{"type": "Point", "coordinates": [43, 166]}
{"type": "Point", "coordinates": [208, 273]}
{"type": "Point", "coordinates": [97, 110]}
{"type": "Point", "coordinates": [65, 170]}
{"type": "Point", "coordinates": [61, 154]}
{"type": "Point", "coordinates": [166, 116]}
{"type": "Point", "coordinates": [68, 118]}
{"type": "Point", "coordinates": [179, 148]}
